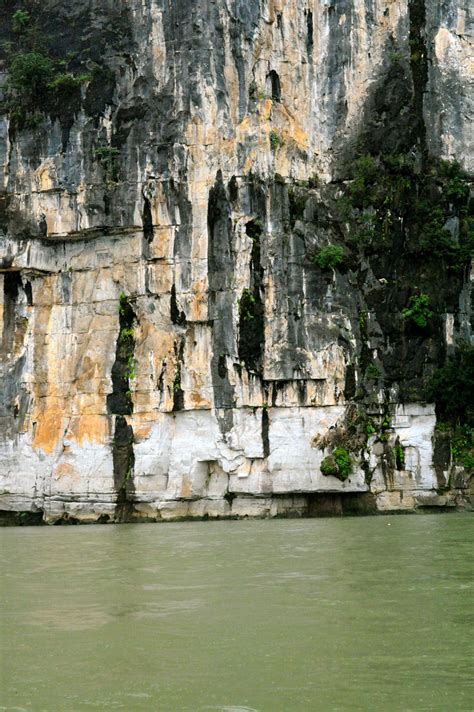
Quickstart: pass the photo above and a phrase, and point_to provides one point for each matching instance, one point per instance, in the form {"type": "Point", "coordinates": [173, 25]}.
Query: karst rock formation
{"type": "Point", "coordinates": [234, 252]}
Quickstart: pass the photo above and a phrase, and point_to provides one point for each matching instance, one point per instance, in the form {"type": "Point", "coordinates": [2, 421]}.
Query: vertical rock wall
{"type": "Point", "coordinates": [170, 346]}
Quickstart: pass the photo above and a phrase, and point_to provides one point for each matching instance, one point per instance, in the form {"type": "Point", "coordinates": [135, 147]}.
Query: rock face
{"type": "Point", "coordinates": [176, 338]}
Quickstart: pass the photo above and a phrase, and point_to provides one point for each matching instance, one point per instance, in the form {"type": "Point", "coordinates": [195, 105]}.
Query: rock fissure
{"type": "Point", "coordinates": [120, 405]}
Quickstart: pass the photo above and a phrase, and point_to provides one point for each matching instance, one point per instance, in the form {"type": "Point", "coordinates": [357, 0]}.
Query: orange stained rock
{"type": "Point", "coordinates": [298, 135]}
{"type": "Point", "coordinates": [186, 490]}
{"type": "Point", "coordinates": [156, 341]}
{"type": "Point", "coordinates": [88, 369]}
{"type": "Point", "coordinates": [93, 428]}
{"type": "Point", "coordinates": [199, 402]}
{"type": "Point", "coordinates": [199, 287]}
{"type": "Point", "coordinates": [199, 306]}
{"type": "Point", "coordinates": [163, 239]}
{"type": "Point", "coordinates": [141, 429]}
{"type": "Point", "coordinates": [265, 110]}
{"type": "Point", "coordinates": [49, 427]}
{"type": "Point", "coordinates": [250, 161]}
{"type": "Point", "coordinates": [244, 124]}
{"type": "Point", "coordinates": [64, 469]}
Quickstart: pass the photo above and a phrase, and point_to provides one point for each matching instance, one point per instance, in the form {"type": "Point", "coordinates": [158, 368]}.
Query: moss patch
{"type": "Point", "coordinates": [337, 464]}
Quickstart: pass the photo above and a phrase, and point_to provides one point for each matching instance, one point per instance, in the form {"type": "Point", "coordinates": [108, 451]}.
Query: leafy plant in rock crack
{"type": "Point", "coordinates": [108, 158]}
{"type": "Point", "coordinates": [370, 428]}
{"type": "Point", "coordinates": [385, 426]}
{"type": "Point", "coordinates": [399, 452]}
{"type": "Point", "coordinates": [37, 85]}
{"type": "Point", "coordinates": [462, 446]}
{"type": "Point", "coordinates": [20, 21]}
{"type": "Point", "coordinates": [29, 75]}
{"type": "Point", "coordinates": [372, 372]}
{"type": "Point", "coordinates": [257, 93]}
{"type": "Point", "coordinates": [276, 140]}
{"type": "Point", "coordinates": [177, 380]}
{"type": "Point", "coordinates": [120, 402]}
{"type": "Point", "coordinates": [131, 372]}
{"type": "Point", "coordinates": [297, 199]}
{"type": "Point", "coordinates": [338, 464]}
{"type": "Point", "coordinates": [246, 305]}
{"type": "Point", "coordinates": [123, 303]}
{"type": "Point", "coordinates": [329, 257]}
{"type": "Point", "coordinates": [418, 310]}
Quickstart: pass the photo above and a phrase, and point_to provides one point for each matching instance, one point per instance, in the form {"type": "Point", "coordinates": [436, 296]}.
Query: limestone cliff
{"type": "Point", "coordinates": [235, 249]}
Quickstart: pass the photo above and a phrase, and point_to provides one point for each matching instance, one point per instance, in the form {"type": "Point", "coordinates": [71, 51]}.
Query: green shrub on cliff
{"type": "Point", "coordinates": [451, 387]}
{"type": "Point", "coordinates": [418, 310]}
{"type": "Point", "coordinates": [276, 140]}
{"type": "Point", "coordinates": [29, 74]}
{"type": "Point", "coordinates": [38, 83]}
{"type": "Point", "coordinates": [247, 306]}
{"type": "Point", "coordinates": [396, 200]}
{"type": "Point", "coordinates": [365, 173]}
{"type": "Point", "coordinates": [329, 257]}
{"type": "Point", "coordinates": [337, 464]}
{"type": "Point", "coordinates": [109, 158]}
{"type": "Point", "coordinates": [462, 447]}
{"type": "Point", "coordinates": [20, 21]}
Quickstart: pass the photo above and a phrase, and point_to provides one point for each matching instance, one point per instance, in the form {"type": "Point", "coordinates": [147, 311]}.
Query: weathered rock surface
{"type": "Point", "coordinates": [169, 348]}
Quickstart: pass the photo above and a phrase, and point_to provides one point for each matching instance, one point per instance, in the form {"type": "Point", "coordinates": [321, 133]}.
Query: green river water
{"type": "Point", "coordinates": [321, 614]}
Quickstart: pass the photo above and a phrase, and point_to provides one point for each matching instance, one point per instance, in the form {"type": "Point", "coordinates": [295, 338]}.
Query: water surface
{"type": "Point", "coordinates": [331, 614]}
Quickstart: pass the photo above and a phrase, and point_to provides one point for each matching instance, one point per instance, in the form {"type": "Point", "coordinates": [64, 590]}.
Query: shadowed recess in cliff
{"type": "Point", "coordinates": [186, 30]}
{"type": "Point", "coordinates": [120, 404]}
{"type": "Point", "coordinates": [14, 401]}
{"type": "Point", "coordinates": [273, 85]}
{"type": "Point", "coordinates": [419, 66]}
{"type": "Point", "coordinates": [147, 221]}
{"type": "Point", "coordinates": [221, 267]}
{"type": "Point", "coordinates": [181, 212]}
{"type": "Point", "coordinates": [177, 316]}
{"type": "Point", "coordinates": [178, 392]}
{"type": "Point", "coordinates": [338, 17]}
{"type": "Point", "coordinates": [123, 463]}
{"type": "Point", "coordinates": [242, 28]}
{"type": "Point", "coordinates": [392, 120]}
{"type": "Point", "coordinates": [11, 288]}
{"type": "Point", "coordinates": [251, 307]}
{"type": "Point", "coordinates": [265, 430]}
{"type": "Point", "coordinates": [310, 33]}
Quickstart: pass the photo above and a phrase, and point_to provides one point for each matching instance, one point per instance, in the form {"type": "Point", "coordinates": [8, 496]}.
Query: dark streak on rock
{"type": "Point", "coordinates": [419, 66]}
{"type": "Point", "coordinates": [221, 262]}
{"type": "Point", "coordinates": [120, 404]}
{"type": "Point", "coordinates": [178, 393]}
{"type": "Point", "coordinates": [265, 432]}
{"type": "Point", "coordinates": [147, 221]}
{"type": "Point", "coordinates": [177, 317]}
